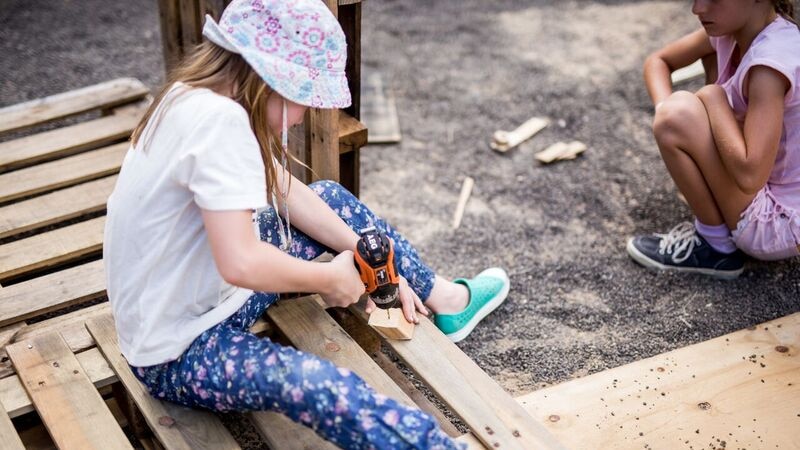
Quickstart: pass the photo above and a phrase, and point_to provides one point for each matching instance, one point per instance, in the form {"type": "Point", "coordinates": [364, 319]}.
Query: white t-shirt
{"type": "Point", "coordinates": [163, 285]}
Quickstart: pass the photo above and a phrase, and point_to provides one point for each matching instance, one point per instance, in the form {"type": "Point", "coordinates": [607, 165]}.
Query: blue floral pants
{"type": "Point", "coordinates": [227, 368]}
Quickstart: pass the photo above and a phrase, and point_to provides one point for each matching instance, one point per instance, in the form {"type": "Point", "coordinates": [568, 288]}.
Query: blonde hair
{"type": "Point", "coordinates": [211, 66]}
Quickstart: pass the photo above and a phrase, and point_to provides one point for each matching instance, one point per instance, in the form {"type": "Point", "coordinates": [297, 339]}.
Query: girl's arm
{"type": "Point", "coordinates": [749, 154]}
{"type": "Point", "coordinates": [243, 260]}
{"type": "Point", "coordinates": [660, 64]}
{"type": "Point", "coordinates": [310, 214]}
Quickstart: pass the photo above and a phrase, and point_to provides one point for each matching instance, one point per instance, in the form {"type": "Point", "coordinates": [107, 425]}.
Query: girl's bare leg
{"type": "Point", "coordinates": [683, 133]}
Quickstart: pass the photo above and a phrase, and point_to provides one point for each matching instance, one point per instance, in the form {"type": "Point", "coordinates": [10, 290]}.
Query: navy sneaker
{"type": "Point", "coordinates": [683, 250]}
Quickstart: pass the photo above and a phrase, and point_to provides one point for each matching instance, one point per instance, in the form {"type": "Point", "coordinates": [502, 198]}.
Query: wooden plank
{"type": "Point", "coordinates": [309, 328]}
{"type": "Point", "coordinates": [17, 402]}
{"type": "Point", "coordinates": [51, 248]}
{"type": "Point", "coordinates": [742, 388]}
{"type": "Point", "coordinates": [55, 207]}
{"type": "Point", "coordinates": [103, 95]}
{"type": "Point", "coordinates": [10, 439]}
{"type": "Point", "coordinates": [169, 19]}
{"type": "Point", "coordinates": [63, 172]}
{"type": "Point", "coordinates": [352, 133]}
{"type": "Point", "coordinates": [176, 427]}
{"type": "Point", "coordinates": [489, 411]}
{"type": "Point", "coordinates": [51, 292]}
{"type": "Point", "coordinates": [190, 24]}
{"type": "Point", "coordinates": [322, 143]}
{"type": "Point", "coordinates": [67, 402]}
{"type": "Point", "coordinates": [66, 141]}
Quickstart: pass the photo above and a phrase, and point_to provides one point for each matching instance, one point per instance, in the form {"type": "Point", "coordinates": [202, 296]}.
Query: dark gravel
{"type": "Point", "coordinates": [461, 69]}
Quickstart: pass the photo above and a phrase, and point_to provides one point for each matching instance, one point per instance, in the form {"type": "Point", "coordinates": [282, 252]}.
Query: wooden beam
{"type": "Point", "coordinates": [10, 437]}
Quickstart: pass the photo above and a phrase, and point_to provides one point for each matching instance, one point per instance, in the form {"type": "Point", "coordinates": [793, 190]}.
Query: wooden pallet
{"type": "Point", "coordinates": [53, 191]}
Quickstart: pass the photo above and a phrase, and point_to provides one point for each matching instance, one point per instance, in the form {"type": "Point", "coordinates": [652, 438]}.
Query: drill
{"type": "Point", "coordinates": [374, 258]}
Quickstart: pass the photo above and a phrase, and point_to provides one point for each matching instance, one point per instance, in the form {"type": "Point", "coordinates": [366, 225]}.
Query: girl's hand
{"type": "Point", "coordinates": [345, 286]}
{"type": "Point", "coordinates": [409, 300]}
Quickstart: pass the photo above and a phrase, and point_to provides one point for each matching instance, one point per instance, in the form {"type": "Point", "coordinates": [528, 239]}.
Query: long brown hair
{"type": "Point", "coordinates": [211, 66]}
{"type": "Point", "coordinates": [785, 8]}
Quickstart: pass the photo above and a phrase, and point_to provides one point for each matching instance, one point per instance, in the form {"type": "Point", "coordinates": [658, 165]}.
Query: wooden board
{"type": "Point", "coordinates": [309, 328]}
{"type": "Point", "coordinates": [63, 172]}
{"type": "Point", "coordinates": [378, 110]}
{"type": "Point", "coordinates": [51, 292]}
{"type": "Point", "coordinates": [352, 133]}
{"type": "Point", "coordinates": [103, 95]}
{"type": "Point", "coordinates": [322, 135]}
{"type": "Point", "coordinates": [55, 207]}
{"type": "Point", "coordinates": [67, 402]}
{"type": "Point", "coordinates": [9, 439]}
{"type": "Point", "coordinates": [176, 427]}
{"type": "Point", "coordinates": [742, 388]}
{"type": "Point", "coordinates": [52, 247]}
{"type": "Point", "coordinates": [491, 414]}
{"type": "Point", "coordinates": [66, 141]}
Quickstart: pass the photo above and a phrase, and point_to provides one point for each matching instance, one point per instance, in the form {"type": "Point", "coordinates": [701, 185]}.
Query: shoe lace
{"type": "Point", "coordinates": [679, 242]}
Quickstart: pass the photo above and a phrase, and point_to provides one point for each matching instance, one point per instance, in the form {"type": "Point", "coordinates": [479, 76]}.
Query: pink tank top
{"type": "Point", "coordinates": [777, 47]}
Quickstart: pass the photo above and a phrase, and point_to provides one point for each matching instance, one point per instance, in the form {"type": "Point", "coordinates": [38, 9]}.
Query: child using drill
{"type": "Point", "coordinates": [188, 275]}
{"type": "Point", "coordinates": [733, 147]}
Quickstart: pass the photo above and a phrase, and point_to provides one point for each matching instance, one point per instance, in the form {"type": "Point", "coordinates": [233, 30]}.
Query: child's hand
{"type": "Point", "coordinates": [409, 302]}
{"type": "Point", "coordinates": [346, 286]}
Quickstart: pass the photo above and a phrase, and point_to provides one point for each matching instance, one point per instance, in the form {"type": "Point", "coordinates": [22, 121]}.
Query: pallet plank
{"type": "Point", "coordinates": [63, 172]}
{"type": "Point", "coordinates": [322, 135]}
{"type": "Point", "coordinates": [65, 141]}
{"type": "Point", "coordinates": [352, 133]}
{"type": "Point", "coordinates": [67, 402]}
{"type": "Point", "coordinates": [309, 328]}
{"type": "Point", "coordinates": [103, 95]}
{"type": "Point", "coordinates": [489, 411]}
{"type": "Point", "coordinates": [188, 428]}
{"type": "Point", "coordinates": [55, 207]}
{"type": "Point", "coordinates": [742, 388]}
{"type": "Point", "coordinates": [10, 439]}
{"type": "Point", "coordinates": [51, 248]}
{"type": "Point", "coordinates": [51, 292]}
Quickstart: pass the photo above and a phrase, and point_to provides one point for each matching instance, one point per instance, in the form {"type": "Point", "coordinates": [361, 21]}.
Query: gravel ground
{"type": "Point", "coordinates": [461, 69]}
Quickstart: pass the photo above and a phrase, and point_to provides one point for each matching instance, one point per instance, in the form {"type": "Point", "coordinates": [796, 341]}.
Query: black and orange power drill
{"type": "Point", "coordinates": [374, 259]}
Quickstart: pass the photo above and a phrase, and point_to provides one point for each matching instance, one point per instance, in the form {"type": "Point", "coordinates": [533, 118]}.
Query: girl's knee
{"type": "Point", "coordinates": [676, 116]}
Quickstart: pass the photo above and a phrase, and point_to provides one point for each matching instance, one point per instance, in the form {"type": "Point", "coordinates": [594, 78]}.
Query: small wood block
{"type": "Point", "coordinates": [391, 324]}
{"type": "Point", "coordinates": [689, 72]}
{"type": "Point", "coordinates": [503, 141]}
{"type": "Point", "coordinates": [561, 151]}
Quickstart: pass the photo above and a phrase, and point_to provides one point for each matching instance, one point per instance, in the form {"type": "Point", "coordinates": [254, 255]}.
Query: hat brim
{"type": "Point", "coordinates": [320, 88]}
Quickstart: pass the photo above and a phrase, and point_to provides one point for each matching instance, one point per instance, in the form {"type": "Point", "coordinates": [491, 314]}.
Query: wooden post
{"type": "Point", "coordinates": [350, 20]}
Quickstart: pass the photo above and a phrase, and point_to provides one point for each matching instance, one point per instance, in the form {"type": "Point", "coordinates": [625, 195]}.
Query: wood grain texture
{"type": "Point", "coordinates": [51, 248]}
{"type": "Point", "coordinates": [63, 172]}
{"type": "Point", "coordinates": [183, 428]}
{"type": "Point", "coordinates": [51, 292]}
{"type": "Point", "coordinates": [43, 110]}
{"type": "Point", "coordinates": [322, 143]}
{"type": "Point", "coordinates": [65, 141]}
{"type": "Point", "coordinates": [491, 414]}
{"type": "Point", "coordinates": [742, 388]}
{"type": "Point", "coordinates": [9, 438]}
{"type": "Point", "coordinates": [67, 402]}
{"type": "Point", "coordinates": [55, 207]}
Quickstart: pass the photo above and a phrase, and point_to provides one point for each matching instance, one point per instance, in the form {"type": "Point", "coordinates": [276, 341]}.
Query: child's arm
{"type": "Point", "coordinates": [749, 154]}
{"type": "Point", "coordinates": [245, 261]}
{"type": "Point", "coordinates": [661, 63]}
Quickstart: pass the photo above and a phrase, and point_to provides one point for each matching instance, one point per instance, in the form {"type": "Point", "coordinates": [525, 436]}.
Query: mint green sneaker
{"type": "Point", "coordinates": [486, 292]}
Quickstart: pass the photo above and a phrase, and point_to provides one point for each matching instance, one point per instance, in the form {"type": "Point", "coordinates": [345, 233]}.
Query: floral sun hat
{"type": "Point", "coordinates": [296, 46]}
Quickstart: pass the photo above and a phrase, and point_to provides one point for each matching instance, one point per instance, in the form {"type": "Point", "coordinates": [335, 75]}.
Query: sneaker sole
{"type": "Point", "coordinates": [498, 300]}
{"type": "Point", "coordinates": [643, 260]}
